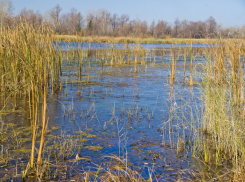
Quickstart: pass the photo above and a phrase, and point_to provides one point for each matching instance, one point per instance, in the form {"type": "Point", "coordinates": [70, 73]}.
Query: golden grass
{"type": "Point", "coordinates": [29, 66]}
{"type": "Point", "coordinates": [223, 118]}
{"type": "Point", "coordinates": [107, 39]}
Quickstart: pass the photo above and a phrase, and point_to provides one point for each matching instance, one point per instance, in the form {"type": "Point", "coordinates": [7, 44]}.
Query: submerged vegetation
{"type": "Point", "coordinates": [204, 121]}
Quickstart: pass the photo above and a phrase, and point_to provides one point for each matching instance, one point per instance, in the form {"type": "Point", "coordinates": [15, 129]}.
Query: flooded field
{"type": "Point", "coordinates": [136, 120]}
{"type": "Point", "coordinates": [119, 112]}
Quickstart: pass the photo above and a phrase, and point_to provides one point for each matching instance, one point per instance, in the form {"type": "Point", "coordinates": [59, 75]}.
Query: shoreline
{"type": "Point", "coordinates": [101, 39]}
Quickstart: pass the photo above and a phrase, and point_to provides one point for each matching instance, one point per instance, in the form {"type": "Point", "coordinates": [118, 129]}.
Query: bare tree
{"type": "Point", "coordinates": [152, 28]}
{"type": "Point", "coordinates": [74, 21]}
{"type": "Point", "coordinates": [80, 22]}
{"type": "Point", "coordinates": [162, 29]}
{"type": "Point", "coordinates": [114, 23]}
{"type": "Point", "coordinates": [64, 26]}
{"type": "Point", "coordinates": [30, 16]}
{"type": "Point", "coordinates": [103, 21]}
{"type": "Point", "coordinates": [212, 26]}
{"type": "Point", "coordinates": [242, 31]}
{"type": "Point", "coordinates": [6, 10]}
{"type": "Point", "coordinates": [139, 28]}
{"type": "Point", "coordinates": [144, 28]}
{"type": "Point", "coordinates": [185, 29]}
{"type": "Point", "coordinates": [123, 27]}
{"type": "Point", "coordinates": [90, 19]}
{"type": "Point", "coordinates": [55, 15]}
{"type": "Point", "coordinates": [198, 29]}
{"type": "Point", "coordinates": [176, 27]}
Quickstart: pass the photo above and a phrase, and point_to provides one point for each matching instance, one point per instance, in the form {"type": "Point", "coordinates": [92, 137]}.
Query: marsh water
{"type": "Point", "coordinates": [138, 117]}
{"type": "Point", "coordinates": [96, 45]}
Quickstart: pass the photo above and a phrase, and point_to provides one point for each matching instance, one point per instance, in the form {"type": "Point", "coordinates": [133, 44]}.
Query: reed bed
{"type": "Point", "coordinates": [30, 66]}
{"type": "Point", "coordinates": [222, 134]}
{"type": "Point", "coordinates": [149, 40]}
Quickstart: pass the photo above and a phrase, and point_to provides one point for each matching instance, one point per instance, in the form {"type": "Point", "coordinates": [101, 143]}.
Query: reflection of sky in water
{"type": "Point", "coordinates": [146, 94]}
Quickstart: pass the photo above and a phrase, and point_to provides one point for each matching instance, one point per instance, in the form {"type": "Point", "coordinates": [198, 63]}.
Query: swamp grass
{"type": "Point", "coordinates": [222, 138]}
{"type": "Point", "coordinates": [29, 65]}
{"type": "Point", "coordinates": [32, 67]}
{"type": "Point", "coordinates": [147, 40]}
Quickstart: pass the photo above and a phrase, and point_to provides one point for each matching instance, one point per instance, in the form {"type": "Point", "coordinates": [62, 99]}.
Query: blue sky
{"type": "Point", "coordinates": [226, 12]}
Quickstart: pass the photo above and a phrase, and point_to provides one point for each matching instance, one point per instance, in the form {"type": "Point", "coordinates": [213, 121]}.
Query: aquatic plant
{"type": "Point", "coordinates": [30, 66]}
{"type": "Point", "coordinates": [223, 114]}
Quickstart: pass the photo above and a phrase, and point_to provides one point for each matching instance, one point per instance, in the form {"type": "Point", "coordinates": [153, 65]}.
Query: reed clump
{"type": "Point", "coordinates": [29, 67]}
{"type": "Point", "coordinates": [108, 39]}
{"type": "Point", "coordinates": [223, 118]}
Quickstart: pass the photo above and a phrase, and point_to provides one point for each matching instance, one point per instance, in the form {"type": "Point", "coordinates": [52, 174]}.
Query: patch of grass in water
{"type": "Point", "coordinates": [9, 111]}
{"type": "Point", "coordinates": [91, 136]}
{"type": "Point", "coordinates": [84, 81]}
{"type": "Point", "coordinates": [123, 84]}
{"type": "Point", "coordinates": [22, 150]}
{"type": "Point", "coordinates": [54, 128]}
{"type": "Point", "coordinates": [94, 148]}
{"type": "Point", "coordinates": [83, 140]}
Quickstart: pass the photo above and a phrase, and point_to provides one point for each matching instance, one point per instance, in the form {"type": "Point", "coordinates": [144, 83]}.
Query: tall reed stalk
{"type": "Point", "coordinates": [135, 59]}
{"type": "Point", "coordinates": [172, 75]}
{"type": "Point", "coordinates": [191, 66]}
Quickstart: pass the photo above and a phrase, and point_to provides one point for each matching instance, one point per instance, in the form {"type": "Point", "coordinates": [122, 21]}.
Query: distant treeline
{"type": "Point", "coordinates": [103, 23]}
